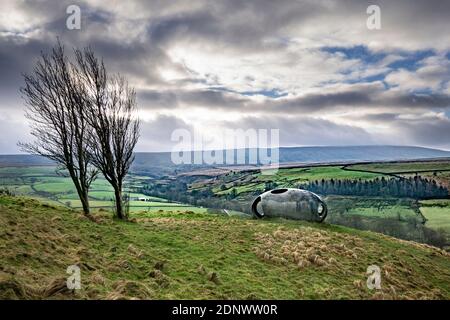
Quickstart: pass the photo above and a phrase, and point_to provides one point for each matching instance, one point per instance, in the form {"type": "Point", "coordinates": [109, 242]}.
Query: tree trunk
{"type": "Point", "coordinates": [85, 203]}
{"type": "Point", "coordinates": [119, 203]}
{"type": "Point", "coordinates": [82, 194]}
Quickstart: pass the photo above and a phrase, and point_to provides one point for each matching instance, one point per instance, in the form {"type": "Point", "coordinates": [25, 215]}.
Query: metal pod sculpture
{"type": "Point", "coordinates": [290, 203]}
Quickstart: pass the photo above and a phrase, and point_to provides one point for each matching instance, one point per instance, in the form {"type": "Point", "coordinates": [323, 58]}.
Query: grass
{"type": "Point", "coordinates": [139, 212]}
{"type": "Point", "coordinates": [247, 188]}
{"type": "Point", "coordinates": [135, 206]}
{"type": "Point", "coordinates": [315, 173]}
{"type": "Point", "coordinates": [187, 255]}
{"type": "Point", "coordinates": [373, 207]}
{"type": "Point", "coordinates": [438, 218]}
{"type": "Point", "coordinates": [437, 213]}
{"type": "Point", "coordinates": [401, 213]}
{"type": "Point", "coordinates": [28, 171]}
{"type": "Point", "coordinates": [108, 195]}
{"type": "Point", "coordinates": [55, 187]}
{"type": "Point", "coordinates": [396, 217]}
{"type": "Point", "coordinates": [42, 182]}
{"type": "Point", "coordinates": [420, 166]}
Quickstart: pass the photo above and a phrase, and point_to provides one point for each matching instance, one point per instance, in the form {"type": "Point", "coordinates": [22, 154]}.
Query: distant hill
{"type": "Point", "coordinates": [358, 153]}
{"type": "Point", "coordinates": [159, 163]}
{"type": "Point", "coordinates": [18, 160]}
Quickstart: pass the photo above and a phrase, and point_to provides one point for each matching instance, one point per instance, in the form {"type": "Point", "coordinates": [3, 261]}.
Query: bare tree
{"type": "Point", "coordinates": [115, 126]}
{"type": "Point", "coordinates": [56, 108]}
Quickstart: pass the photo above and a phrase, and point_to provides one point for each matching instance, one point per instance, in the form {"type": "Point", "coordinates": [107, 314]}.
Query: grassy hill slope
{"type": "Point", "coordinates": [199, 256]}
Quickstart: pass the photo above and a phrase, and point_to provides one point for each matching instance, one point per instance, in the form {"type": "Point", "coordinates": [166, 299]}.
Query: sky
{"type": "Point", "coordinates": [310, 68]}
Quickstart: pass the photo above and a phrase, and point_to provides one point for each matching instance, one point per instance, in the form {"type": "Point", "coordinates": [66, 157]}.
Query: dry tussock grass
{"type": "Point", "coordinates": [160, 278]}
{"type": "Point", "coordinates": [138, 253]}
{"type": "Point", "coordinates": [348, 255]}
{"type": "Point", "coordinates": [12, 288]}
{"type": "Point", "coordinates": [210, 275]}
{"type": "Point", "coordinates": [306, 247]}
{"type": "Point", "coordinates": [129, 290]}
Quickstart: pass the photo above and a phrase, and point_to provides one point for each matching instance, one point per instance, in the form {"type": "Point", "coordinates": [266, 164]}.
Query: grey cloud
{"type": "Point", "coordinates": [435, 132]}
{"type": "Point", "coordinates": [434, 100]}
{"type": "Point", "coordinates": [212, 99]}
{"type": "Point", "coordinates": [303, 130]}
{"type": "Point", "coordinates": [317, 102]}
{"type": "Point", "coordinates": [364, 100]}
{"type": "Point", "coordinates": [380, 117]}
{"type": "Point", "coordinates": [429, 129]}
{"type": "Point", "coordinates": [156, 99]}
{"type": "Point", "coordinates": [137, 38]}
{"type": "Point", "coordinates": [16, 58]}
{"type": "Point", "coordinates": [361, 97]}
{"type": "Point", "coordinates": [155, 134]}
{"type": "Point", "coordinates": [240, 25]}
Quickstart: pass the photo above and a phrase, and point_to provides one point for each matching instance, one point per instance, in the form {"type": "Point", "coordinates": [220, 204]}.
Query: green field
{"type": "Point", "coordinates": [396, 217]}
{"type": "Point", "coordinates": [44, 184]}
{"type": "Point", "coordinates": [403, 166]}
{"type": "Point", "coordinates": [32, 171]}
{"type": "Point", "coordinates": [402, 213]}
{"type": "Point", "coordinates": [437, 213]}
{"type": "Point", "coordinates": [203, 256]}
{"type": "Point", "coordinates": [315, 173]}
{"type": "Point", "coordinates": [108, 195]}
{"type": "Point", "coordinates": [438, 218]}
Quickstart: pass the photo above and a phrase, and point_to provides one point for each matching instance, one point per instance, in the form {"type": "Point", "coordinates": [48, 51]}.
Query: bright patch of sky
{"type": "Point", "coordinates": [357, 52]}
{"type": "Point", "coordinates": [411, 60]}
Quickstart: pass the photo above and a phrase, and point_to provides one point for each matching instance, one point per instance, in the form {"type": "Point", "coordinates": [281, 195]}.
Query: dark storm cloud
{"type": "Point", "coordinates": [156, 99]}
{"type": "Point", "coordinates": [156, 133]}
{"type": "Point", "coordinates": [136, 61]}
{"type": "Point", "coordinates": [380, 117]}
{"type": "Point", "coordinates": [15, 59]}
{"type": "Point", "coordinates": [162, 99]}
{"type": "Point", "coordinates": [239, 25]}
{"type": "Point", "coordinates": [435, 100]}
{"type": "Point", "coordinates": [363, 97]}
{"type": "Point", "coordinates": [319, 102]}
{"type": "Point", "coordinates": [426, 132]}
{"type": "Point", "coordinates": [303, 130]}
{"type": "Point", "coordinates": [422, 129]}
{"type": "Point", "coordinates": [187, 26]}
